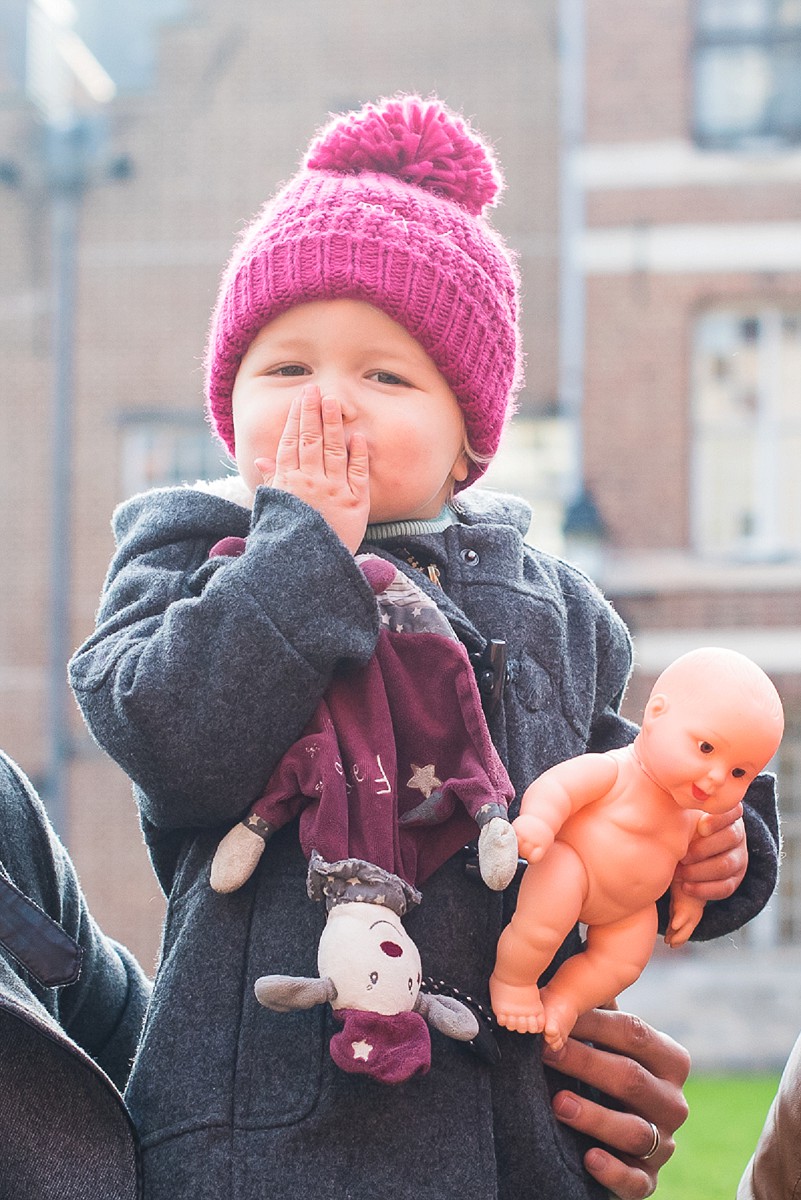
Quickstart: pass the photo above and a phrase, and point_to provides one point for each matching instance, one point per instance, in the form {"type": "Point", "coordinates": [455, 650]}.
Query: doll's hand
{"type": "Point", "coordinates": [314, 462]}
{"type": "Point", "coordinates": [534, 836]}
{"type": "Point", "coordinates": [716, 862]}
{"type": "Point", "coordinates": [642, 1072]}
{"type": "Point", "coordinates": [685, 913]}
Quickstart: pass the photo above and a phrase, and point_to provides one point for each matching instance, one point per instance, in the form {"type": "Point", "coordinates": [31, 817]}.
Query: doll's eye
{"type": "Point", "coordinates": [374, 976]}
{"type": "Point", "coordinates": [411, 984]}
{"type": "Point", "coordinates": [707, 748]}
{"type": "Point", "coordinates": [738, 772]}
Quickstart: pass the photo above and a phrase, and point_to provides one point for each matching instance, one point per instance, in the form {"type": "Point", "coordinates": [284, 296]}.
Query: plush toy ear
{"type": "Point", "coordinates": [284, 993]}
{"type": "Point", "coordinates": [448, 1015]}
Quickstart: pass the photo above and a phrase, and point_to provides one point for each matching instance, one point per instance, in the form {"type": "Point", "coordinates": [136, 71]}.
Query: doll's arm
{"type": "Point", "coordinates": [760, 817]}
{"type": "Point", "coordinates": [199, 676]}
{"type": "Point", "coordinates": [556, 795]}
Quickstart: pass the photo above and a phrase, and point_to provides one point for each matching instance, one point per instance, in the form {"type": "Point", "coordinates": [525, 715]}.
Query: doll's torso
{"type": "Point", "coordinates": [629, 841]}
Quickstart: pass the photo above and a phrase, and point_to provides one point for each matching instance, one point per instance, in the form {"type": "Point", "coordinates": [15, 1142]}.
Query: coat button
{"type": "Point", "coordinates": [470, 557]}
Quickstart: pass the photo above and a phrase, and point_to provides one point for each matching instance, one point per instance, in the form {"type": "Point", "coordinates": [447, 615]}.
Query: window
{"type": "Point", "coordinates": [159, 449]}
{"type": "Point", "coordinates": [746, 490]}
{"type": "Point", "coordinates": [747, 69]}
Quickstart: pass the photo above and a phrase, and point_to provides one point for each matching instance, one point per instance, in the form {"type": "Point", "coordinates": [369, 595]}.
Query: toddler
{"type": "Point", "coordinates": [362, 361]}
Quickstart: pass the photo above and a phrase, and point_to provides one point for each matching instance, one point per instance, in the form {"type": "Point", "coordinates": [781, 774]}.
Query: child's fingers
{"type": "Point", "coordinates": [720, 871]}
{"type": "Point", "coordinates": [358, 467]}
{"type": "Point", "coordinates": [266, 468]}
{"type": "Point", "coordinates": [310, 431]}
{"type": "Point", "coordinates": [335, 450]}
{"type": "Point", "coordinates": [713, 822]}
{"type": "Point", "coordinates": [286, 454]}
{"type": "Point", "coordinates": [725, 841]}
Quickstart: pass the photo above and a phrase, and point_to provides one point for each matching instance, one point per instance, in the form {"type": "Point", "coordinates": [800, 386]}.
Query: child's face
{"type": "Point", "coordinates": [386, 385]}
{"type": "Point", "coordinates": [701, 752]}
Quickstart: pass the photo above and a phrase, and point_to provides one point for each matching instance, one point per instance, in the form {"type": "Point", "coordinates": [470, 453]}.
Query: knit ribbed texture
{"type": "Point", "coordinates": [387, 209]}
{"type": "Point", "coordinates": [389, 530]}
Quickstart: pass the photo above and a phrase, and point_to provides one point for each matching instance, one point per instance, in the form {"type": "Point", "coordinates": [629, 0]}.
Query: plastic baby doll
{"type": "Point", "coordinates": [605, 832]}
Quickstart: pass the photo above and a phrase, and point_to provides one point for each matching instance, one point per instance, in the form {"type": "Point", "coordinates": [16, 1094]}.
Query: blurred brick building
{"type": "Point", "coordinates": [688, 248]}
{"type": "Point", "coordinates": [215, 105]}
{"type": "Point", "coordinates": [651, 149]}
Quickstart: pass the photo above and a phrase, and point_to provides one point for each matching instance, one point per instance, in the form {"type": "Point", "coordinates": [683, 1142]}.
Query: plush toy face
{"type": "Point", "coordinates": [371, 960]}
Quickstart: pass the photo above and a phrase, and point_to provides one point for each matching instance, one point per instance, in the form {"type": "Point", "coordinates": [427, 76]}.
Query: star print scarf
{"type": "Point", "coordinates": [397, 765]}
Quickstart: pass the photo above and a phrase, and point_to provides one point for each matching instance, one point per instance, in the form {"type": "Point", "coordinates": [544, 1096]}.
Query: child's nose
{"type": "Point", "coordinates": [343, 390]}
{"type": "Point", "coordinates": [348, 401]}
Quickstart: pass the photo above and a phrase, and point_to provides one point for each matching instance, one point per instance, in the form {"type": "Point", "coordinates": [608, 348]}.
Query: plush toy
{"type": "Point", "coordinates": [395, 773]}
{"type": "Point", "coordinates": [603, 834]}
{"type": "Point", "coordinates": [370, 974]}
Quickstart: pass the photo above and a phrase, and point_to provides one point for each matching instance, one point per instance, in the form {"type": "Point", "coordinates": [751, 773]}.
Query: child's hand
{"type": "Point", "coordinates": [643, 1072]}
{"type": "Point", "coordinates": [534, 836]}
{"type": "Point", "coordinates": [715, 864]}
{"type": "Point", "coordinates": [314, 462]}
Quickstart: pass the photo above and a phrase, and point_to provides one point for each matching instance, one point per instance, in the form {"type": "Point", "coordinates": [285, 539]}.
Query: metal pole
{"type": "Point", "coordinates": [571, 225]}
{"type": "Point", "coordinates": [66, 186]}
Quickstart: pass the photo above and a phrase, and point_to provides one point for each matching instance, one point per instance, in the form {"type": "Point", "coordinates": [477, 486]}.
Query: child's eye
{"type": "Point", "coordinates": [390, 378]}
{"type": "Point", "coordinates": [706, 748]}
{"type": "Point", "coordinates": [738, 772]}
{"type": "Point", "coordinates": [289, 370]}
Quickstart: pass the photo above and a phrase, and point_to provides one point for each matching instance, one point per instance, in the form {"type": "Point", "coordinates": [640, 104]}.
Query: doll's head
{"type": "Point", "coordinates": [386, 210]}
{"type": "Point", "coordinates": [712, 723]}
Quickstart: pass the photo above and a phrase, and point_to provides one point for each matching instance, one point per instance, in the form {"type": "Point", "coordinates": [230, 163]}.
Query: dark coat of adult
{"type": "Point", "coordinates": [72, 1003]}
{"type": "Point", "coordinates": [200, 674]}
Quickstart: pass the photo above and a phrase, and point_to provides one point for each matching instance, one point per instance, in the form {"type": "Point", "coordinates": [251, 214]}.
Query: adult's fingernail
{"type": "Point", "coordinates": [568, 1107]}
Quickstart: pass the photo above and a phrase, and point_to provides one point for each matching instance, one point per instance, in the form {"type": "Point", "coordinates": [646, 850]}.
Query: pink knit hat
{"type": "Point", "coordinates": [387, 208]}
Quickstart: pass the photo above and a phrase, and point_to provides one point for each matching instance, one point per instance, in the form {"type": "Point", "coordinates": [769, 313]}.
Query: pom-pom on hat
{"type": "Point", "coordinates": [387, 207]}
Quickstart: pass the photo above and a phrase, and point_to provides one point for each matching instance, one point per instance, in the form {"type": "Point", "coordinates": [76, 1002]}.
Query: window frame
{"type": "Point", "coordinates": [770, 37]}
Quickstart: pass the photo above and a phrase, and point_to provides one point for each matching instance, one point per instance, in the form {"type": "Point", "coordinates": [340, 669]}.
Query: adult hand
{"type": "Point", "coordinates": [316, 463]}
{"type": "Point", "coordinates": [639, 1069]}
{"type": "Point", "coordinates": [717, 860]}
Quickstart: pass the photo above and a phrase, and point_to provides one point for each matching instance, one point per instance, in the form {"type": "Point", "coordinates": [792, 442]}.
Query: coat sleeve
{"type": "Point", "coordinates": [201, 674]}
{"type": "Point", "coordinates": [774, 1172]}
{"type": "Point", "coordinates": [103, 1010]}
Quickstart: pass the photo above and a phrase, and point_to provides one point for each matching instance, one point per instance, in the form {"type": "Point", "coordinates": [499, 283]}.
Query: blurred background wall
{"type": "Point", "coordinates": [653, 161]}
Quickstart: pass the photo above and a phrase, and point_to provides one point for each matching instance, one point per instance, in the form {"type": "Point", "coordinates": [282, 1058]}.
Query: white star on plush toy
{"type": "Point", "coordinates": [361, 1050]}
{"type": "Point", "coordinates": [424, 779]}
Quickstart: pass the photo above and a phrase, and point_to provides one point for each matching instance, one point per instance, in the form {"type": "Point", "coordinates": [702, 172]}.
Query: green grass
{"type": "Point", "coordinates": [717, 1140]}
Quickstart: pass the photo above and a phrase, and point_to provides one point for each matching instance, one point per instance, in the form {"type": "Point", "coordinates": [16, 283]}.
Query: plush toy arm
{"type": "Point", "coordinates": [237, 856]}
{"type": "Point", "coordinates": [497, 852]}
{"type": "Point", "coordinates": [285, 993]}
{"type": "Point", "coordinates": [448, 1015]}
{"type": "Point", "coordinates": [685, 913]}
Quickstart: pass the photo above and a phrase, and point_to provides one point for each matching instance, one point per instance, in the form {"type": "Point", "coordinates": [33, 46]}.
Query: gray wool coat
{"type": "Point", "coordinates": [199, 676]}
{"type": "Point", "coordinates": [65, 1049]}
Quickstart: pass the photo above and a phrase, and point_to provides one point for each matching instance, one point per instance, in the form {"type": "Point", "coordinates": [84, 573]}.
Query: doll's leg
{"type": "Point", "coordinates": [534, 934]}
{"type": "Point", "coordinates": [614, 957]}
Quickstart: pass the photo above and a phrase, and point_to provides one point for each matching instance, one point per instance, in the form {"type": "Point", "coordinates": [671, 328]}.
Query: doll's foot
{"type": "Point", "coordinates": [560, 1017]}
{"type": "Point", "coordinates": [236, 858]}
{"type": "Point", "coordinates": [497, 854]}
{"type": "Point", "coordinates": [518, 1008]}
